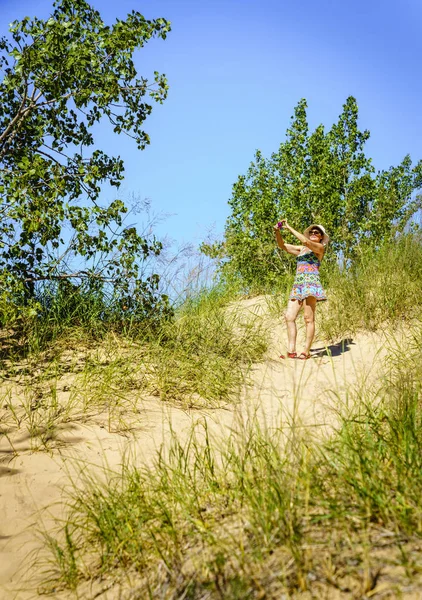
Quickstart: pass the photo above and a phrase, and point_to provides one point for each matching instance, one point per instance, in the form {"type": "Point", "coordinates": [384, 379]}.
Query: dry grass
{"type": "Point", "coordinates": [199, 359]}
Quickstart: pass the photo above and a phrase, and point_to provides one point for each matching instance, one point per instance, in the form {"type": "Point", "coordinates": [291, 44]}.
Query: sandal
{"type": "Point", "coordinates": [303, 356]}
{"type": "Point", "coordinates": [289, 355]}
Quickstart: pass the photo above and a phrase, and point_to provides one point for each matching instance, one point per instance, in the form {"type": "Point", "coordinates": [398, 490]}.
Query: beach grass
{"type": "Point", "coordinates": [264, 512]}
{"type": "Point", "coordinates": [198, 358]}
{"type": "Point", "coordinates": [380, 289]}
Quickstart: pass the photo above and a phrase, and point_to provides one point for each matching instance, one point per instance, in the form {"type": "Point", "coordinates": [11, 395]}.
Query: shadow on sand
{"type": "Point", "coordinates": [334, 349]}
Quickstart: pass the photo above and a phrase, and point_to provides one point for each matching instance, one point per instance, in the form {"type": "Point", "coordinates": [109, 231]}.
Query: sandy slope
{"type": "Point", "coordinates": [31, 484]}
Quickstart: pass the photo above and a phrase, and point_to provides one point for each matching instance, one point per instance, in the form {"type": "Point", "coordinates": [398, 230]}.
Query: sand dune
{"type": "Point", "coordinates": [33, 481]}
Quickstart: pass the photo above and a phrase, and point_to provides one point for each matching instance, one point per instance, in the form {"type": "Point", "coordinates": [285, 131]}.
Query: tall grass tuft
{"type": "Point", "coordinates": [376, 457]}
{"type": "Point", "coordinates": [82, 312]}
{"type": "Point", "coordinates": [202, 355]}
{"type": "Point", "coordinates": [381, 287]}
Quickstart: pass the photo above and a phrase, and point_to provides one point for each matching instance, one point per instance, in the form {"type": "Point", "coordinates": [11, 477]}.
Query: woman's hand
{"type": "Point", "coordinates": [281, 224]}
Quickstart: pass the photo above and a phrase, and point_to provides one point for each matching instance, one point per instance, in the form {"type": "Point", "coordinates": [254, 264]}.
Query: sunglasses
{"type": "Point", "coordinates": [315, 232]}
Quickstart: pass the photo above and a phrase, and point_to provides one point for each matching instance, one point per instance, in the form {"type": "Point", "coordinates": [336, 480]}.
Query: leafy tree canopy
{"type": "Point", "coordinates": [59, 78]}
{"type": "Point", "coordinates": [315, 177]}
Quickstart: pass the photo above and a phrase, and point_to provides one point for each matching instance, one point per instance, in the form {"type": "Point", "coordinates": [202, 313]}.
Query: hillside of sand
{"type": "Point", "coordinates": [34, 476]}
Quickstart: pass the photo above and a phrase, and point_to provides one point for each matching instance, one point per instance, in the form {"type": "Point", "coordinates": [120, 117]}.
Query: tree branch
{"type": "Point", "coordinates": [17, 117]}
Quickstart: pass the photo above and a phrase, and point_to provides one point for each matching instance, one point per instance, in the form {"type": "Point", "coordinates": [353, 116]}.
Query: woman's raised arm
{"type": "Point", "coordinates": [316, 247]}
{"type": "Point", "coordinates": [289, 248]}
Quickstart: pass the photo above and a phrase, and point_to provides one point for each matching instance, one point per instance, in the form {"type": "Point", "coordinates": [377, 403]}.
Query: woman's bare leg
{"type": "Point", "coordinates": [309, 307]}
{"type": "Point", "coordinates": [291, 314]}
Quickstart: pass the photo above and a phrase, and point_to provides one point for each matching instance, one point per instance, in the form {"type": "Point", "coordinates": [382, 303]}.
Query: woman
{"type": "Point", "coordinates": [307, 289]}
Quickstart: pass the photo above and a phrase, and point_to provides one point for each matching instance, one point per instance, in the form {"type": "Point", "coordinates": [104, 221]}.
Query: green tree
{"type": "Point", "coordinates": [350, 181]}
{"type": "Point", "coordinates": [62, 77]}
{"type": "Point", "coordinates": [320, 177]}
{"type": "Point", "coordinates": [395, 202]}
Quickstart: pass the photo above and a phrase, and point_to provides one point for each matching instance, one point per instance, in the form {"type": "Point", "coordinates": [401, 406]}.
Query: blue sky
{"type": "Point", "coordinates": [236, 69]}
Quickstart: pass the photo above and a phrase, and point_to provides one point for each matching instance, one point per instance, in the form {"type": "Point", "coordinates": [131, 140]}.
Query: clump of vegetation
{"type": "Point", "coordinates": [90, 311]}
{"type": "Point", "coordinates": [198, 358]}
{"type": "Point", "coordinates": [204, 353]}
{"type": "Point", "coordinates": [380, 287]}
{"type": "Point", "coordinates": [263, 510]}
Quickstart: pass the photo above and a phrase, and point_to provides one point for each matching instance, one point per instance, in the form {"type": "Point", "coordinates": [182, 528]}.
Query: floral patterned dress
{"type": "Point", "coordinates": [307, 282]}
